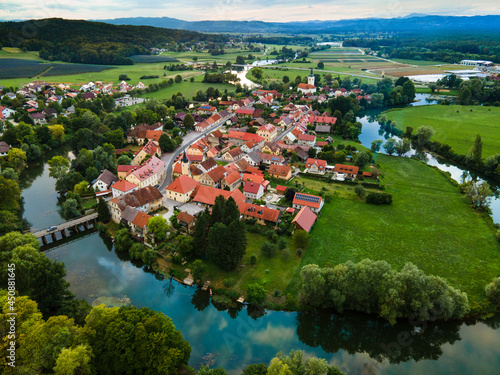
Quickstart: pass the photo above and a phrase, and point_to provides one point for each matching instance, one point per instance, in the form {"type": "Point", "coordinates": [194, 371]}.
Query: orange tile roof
{"type": "Point", "coordinates": [253, 177]}
{"type": "Point", "coordinates": [183, 184]}
{"type": "Point", "coordinates": [207, 194]}
{"type": "Point", "coordinates": [342, 168]}
{"type": "Point", "coordinates": [282, 170]}
{"type": "Point", "coordinates": [253, 210]}
{"type": "Point", "coordinates": [320, 163]}
{"type": "Point", "coordinates": [232, 178]}
{"type": "Point", "coordinates": [123, 185]}
{"type": "Point", "coordinates": [141, 220]}
{"type": "Point", "coordinates": [185, 217]}
{"type": "Point", "coordinates": [305, 218]}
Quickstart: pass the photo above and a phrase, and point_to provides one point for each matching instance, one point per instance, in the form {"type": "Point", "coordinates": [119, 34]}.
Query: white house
{"type": "Point", "coordinates": [104, 181]}
{"type": "Point", "coordinates": [253, 190]}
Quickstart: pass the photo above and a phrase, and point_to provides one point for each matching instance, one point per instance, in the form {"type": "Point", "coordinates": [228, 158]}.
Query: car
{"type": "Point", "coordinates": [52, 228]}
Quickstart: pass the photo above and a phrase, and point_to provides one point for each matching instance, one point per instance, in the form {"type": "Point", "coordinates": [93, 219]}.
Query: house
{"type": "Point", "coordinates": [136, 220]}
{"type": "Point", "coordinates": [38, 118]}
{"type": "Point", "coordinates": [322, 129]}
{"type": "Point", "coordinates": [214, 177]}
{"type": "Point", "coordinates": [282, 172]}
{"type": "Point", "coordinates": [124, 170]}
{"type": "Point", "coordinates": [6, 112]}
{"type": "Point", "coordinates": [233, 155]}
{"type": "Point", "coordinates": [138, 134]}
{"type": "Point", "coordinates": [253, 190]}
{"type": "Point", "coordinates": [271, 159]}
{"type": "Point", "coordinates": [205, 195]}
{"type": "Point", "coordinates": [213, 152]}
{"type": "Point", "coordinates": [206, 109]}
{"type": "Point", "coordinates": [268, 132]}
{"type": "Point", "coordinates": [306, 140]}
{"type": "Point", "coordinates": [150, 148]}
{"type": "Point", "coordinates": [4, 148]}
{"type": "Point", "coordinates": [250, 146]}
{"type": "Point", "coordinates": [263, 215]}
{"type": "Point", "coordinates": [244, 111]}
{"type": "Point", "coordinates": [181, 188]}
{"type": "Point", "coordinates": [342, 170]}
{"type": "Point", "coordinates": [314, 202]}
{"type": "Point", "coordinates": [304, 219]}
{"type": "Point", "coordinates": [289, 138]}
{"type": "Point", "coordinates": [232, 181]}
{"type": "Point", "coordinates": [186, 221]}
{"type": "Point", "coordinates": [240, 138]}
{"type": "Point", "coordinates": [272, 148]}
{"type": "Point", "coordinates": [280, 189]}
{"type": "Point", "coordinates": [207, 165]}
{"type": "Point", "coordinates": [315, 166]}
{"type": "Point", "coordinates": [151, 173]}
{"type": "Point", "coordinates": [145, 200]}
{"type": "Point", "coordinates": [104, 181]}
{"type": "Point", "coordinates": [123, 187]}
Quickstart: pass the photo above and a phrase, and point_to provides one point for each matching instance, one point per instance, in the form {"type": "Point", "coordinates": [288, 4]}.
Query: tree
{"type": "Point", "coordinates": [115, 137]}
{"type": "Point", "coordinates": [57, 132]}
{"type": "Point", "coordinates": [148, 257]}
{"type": "Point", "coordinates": [361, 159]}
{"type": "Point", "coordinates": [376, 144]}
{"type": "Point", "coordinates": [255, 369]}
{"type": "Point", "coordinates": [200, 235]}
{"type": "Point", "coordinates": [479, 194]}
{"type": "Point", "coordinates": [290, 194]}
{"type": "Point", "coordinates": [178, 78]}
{"type": "Point", "coordinates": [198, 269]}
{"type": "Point", "coordinates": [188, 121]}
{"type": "Point", "coordinates": [158, 227]}
{"type": "Point", "coordinates": [321, 65]}
{"type": "Point", "coordinates": [69, 209]}
{"type": "Point", "coordinates": [166, 143]}
{"type": "Point", "coordinates": [226, 244]}
{"type": "Point", "coordinates": [402, 146]}
{"type": "Point", "coordinates": [103, 211]}
{"type": "Point", "coordinates": [301, 239]}
{"type": "Point", "coordinates": [124, 160]}
{"type": "Point", "coordinates": [119, 337]}
{"type": "Point", "coordinates": [277, 367]}
{"type": "Point", "coordinates": [230, 212]}
{"type": "Point", "coordinates": [268, 249]}
{"type": "Point", "coordinates": [286, 79]}
{"type": "Point", "coordinates": [390, 146]}
{"type": "Point", "coordinates": [17, 158]}
{"type": "Point", "coordinates": [123, 240]}
{"type": "Point", "coordinates": [340, 157]}
{"type": "Point", "coordinates": [258, 73]}
{"type": "Point", "coordinates": [81, 188]}
{"type": "Point", "coordinates": [493, 291]}
{"type": "Point", "coordinates": [476, 151]}
{"type": "Point", "coordinates": [10, 194]}
{"type": "Point", "coordinates": [423, 135]}
{"type": "Point", "coordinates": [311, 152]}
{"type": "Point", "coordinates": [409, 90]}
{"type": "Point", "coordinates": [136, 250]}
{"type": "Point", "coordinates": [58, 166]}
{"type": "Point", "coordinates": [360, 191]}
{"type": "Point", "coordinates": [71, 361]}
{"type": "Point", "coordinates": [256, 293]}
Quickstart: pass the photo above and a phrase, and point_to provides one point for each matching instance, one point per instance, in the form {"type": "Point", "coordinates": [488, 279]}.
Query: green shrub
{"type": "Point", "coordinates": [379, 198]}
{"type": "Point", "coordinates": [493, 291]}
{"type": "Point", "coordinates": [255, 293]}
{"type": "Point", "coordinates": [268, 249]}
{"type": "Point", "coordinates": [253, 260]}
{"type": "Point", "coordinates": [228, 283]}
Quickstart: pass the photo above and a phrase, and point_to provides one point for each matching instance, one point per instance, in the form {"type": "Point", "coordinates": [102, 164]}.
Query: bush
{"type": "Point", "coordinates": [148, 257]}
{"type": "Point", "coordinates": [123, 77]}
{"type": "Point", "coordinates": [285, 255]}
{"type": "Point", "coordinates": [281, 243]}
{"type": "Point", "coordinates": [268, 249]}
{"type": "Point", "coordinates": [136, 251]}
{"type": "Point", "coordinates": [360, 191]}
{"type": "Point", "coordinates": [228, 283]}
{"type": "Point", "coordinates": [379, 198]}
{"type": "Point", "coordinates": [149, 77]}
{"type": "Point", "coordinates": [299, 252]}
{"type": "Point", "coordinates": [301, 239]}
{"type": "Point", "coordinates": [497, 234]}
{"type": "Point", "coordinates": [493, 291]}
{"type": "Point", "coordinates": [255, 293]}
{"type": "Point", "coordinates": [253, 260]}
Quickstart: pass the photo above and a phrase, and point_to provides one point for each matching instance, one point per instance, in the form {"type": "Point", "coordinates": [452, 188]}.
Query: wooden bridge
{"type": "Point", "coordinates": [58, 232]}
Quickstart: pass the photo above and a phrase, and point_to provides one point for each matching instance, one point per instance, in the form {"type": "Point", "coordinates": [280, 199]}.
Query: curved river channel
{"type": "Point", "coordinates": [235, 337]}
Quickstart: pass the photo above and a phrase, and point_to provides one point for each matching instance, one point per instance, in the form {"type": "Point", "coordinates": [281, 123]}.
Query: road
{"type": "Point", "coordinates": [168, 158]}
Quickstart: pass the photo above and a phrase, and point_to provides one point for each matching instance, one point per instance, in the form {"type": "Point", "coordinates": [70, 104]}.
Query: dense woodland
{"type": "Point", "coordinates": [87, 42]}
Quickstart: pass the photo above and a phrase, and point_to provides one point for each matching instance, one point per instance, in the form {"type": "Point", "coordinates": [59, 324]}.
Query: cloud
{"type": "Point", "coordinates": [264, 10]}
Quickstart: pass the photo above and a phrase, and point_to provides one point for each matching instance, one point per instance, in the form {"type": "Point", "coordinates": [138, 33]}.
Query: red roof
{"type": "Point", "coordinates": [253, 210]}
{"type": "Point", "coordinates": [306, 137]}
{"type": "Point", "coordinates": [309, 202]}
{"type": "Point", "coordinates": [185, 217]}
{"type": "Point", "coordinates": [207, 194]}
{"type": "Point", "coordinates": [141, 219]}
{"type": "Point", "coordinates": [321, 143]}
{"type": "Point", "coordinates": [244, 136]}
{"type": "Point", "coordinates": [241, 111]}
{"type": "Point", "coordinates": [306, 86]}
{"type": "Point", "coordinates": [123, 185]}
{"type": "Point", "coordinates": [183, 184]}
{"type": "Point", "coordinates": [342, 168]}
{"type": "Point", "coordinates": [305, 218]}
{"type": "Point", "coordinates": [252, 187]}
{"type": "Point", "coordinates": [281, 188]}
{"type": "Point", "coordinates": [258, 178]}
{"type": "Point", "coordinates": [320, 163]}
{"type": "Point", "coordinates": [232, 178]}
{"type": "Point", "coordinates": [281, 170]}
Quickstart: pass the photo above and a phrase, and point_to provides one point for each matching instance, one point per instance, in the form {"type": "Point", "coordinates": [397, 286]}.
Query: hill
{"type": "Point", "coordinates": [89, 42]}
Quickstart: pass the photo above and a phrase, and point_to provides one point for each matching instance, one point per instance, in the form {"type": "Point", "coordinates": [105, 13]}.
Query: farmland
{"type": "Point", "coordinates": [137, 59]}
{"type": "Point", "coordinates": [69, 69]}
{"type": "Point", "coordinates": [16, 68]}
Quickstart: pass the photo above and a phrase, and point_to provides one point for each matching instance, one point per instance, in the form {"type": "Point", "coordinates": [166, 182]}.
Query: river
{"type": "Point", "coordinates": [235, 337]}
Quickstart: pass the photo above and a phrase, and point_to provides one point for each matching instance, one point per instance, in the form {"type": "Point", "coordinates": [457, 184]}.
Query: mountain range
{"type": "Point", "coordinates": [410, 23]}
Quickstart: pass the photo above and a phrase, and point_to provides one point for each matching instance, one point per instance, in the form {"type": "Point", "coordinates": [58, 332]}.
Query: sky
{"type": "Point", "coordinates": [262, 10]}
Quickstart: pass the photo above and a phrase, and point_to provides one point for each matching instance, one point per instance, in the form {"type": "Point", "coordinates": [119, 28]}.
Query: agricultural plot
{"type": "Point", "coordinates": [152, 59]}
{"type": "Point", "coordinates": [68, 69]}
{"type": "Point", "coordinates": [16, 68]}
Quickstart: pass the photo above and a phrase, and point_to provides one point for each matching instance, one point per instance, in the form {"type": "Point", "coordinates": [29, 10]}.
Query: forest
{"type": "Point", "coordinates": [79, 41]}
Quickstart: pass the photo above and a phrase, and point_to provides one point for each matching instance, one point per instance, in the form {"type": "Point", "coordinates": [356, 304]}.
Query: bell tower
{"type": "Point", "coordinates": [310, 79]}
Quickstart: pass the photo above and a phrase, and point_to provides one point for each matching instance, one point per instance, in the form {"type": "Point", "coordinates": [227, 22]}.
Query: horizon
{"type": "Point", "coordinates": [252, 10]}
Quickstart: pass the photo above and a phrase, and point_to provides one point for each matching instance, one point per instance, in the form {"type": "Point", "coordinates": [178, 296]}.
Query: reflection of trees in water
{"type": "Point", "coordinates": [200, 299]}
{"type": "Point", "coordinates": [493, 323]}
{"type": "Point", "coordinates": [232, 308]}
{"type": "Point", "coordinates": [169, 287]}
{"type": "Point", "coordinates": [35, 169]}
{"type": "Point", "coordinates": [357, 333]}
{"type": "Point", "coordinates": [255, 312]}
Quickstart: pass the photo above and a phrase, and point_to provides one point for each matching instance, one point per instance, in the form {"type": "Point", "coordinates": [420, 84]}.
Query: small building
{"type": "Point", "coordinates": [253, 190]}
{"type": "Point", "coordinates": [186, 221]}
{"type": "Point", "coordinates": [343, 170]}
{"type": "Point", "coordinates": [136, 220]}
{"type": "Point", "coordinates": [4, 148]}
{"type": "Point", "coordinates": [205, 195]}
{"type": "Point", "coordinates": [104, 181]}
{"type": "Point", "coordinates": [280, 189]}
{"type": "Point", "coordinates": [145, 200]}
{"type": "Point", "coordinates": [263, 215]}
{"type": "Point", "coordinates": [268, 132]}
{"type": "Point", "coordinates": [314, 202]}
{"type": "Point", "coordinates": [306, 140]}
{"type": "Point", "coordinates": [214, 177]}
{"type": "Point", "coordinates": [152, 173]}
{"type": "Point", "coordinates": [306, 88]}
{"type": "Point", "coordinates": [123, 187]}
{"type": "Point", "coordinates": [304, 219]}
{"type": "Point", "coordinates": [233, 155]}
{"type": "Point", "coordinates": [232, 181]}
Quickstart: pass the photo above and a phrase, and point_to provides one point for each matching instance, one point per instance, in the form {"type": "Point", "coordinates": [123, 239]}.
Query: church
{"type": "Point", "coordinates": [308, 87]}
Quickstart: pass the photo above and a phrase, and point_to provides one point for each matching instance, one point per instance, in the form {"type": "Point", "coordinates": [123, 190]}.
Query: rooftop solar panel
{"type": "Point", "coordinates": [307, 198]}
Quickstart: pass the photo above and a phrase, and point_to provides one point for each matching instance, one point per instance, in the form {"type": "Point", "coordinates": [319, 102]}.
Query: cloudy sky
{"type": "Point", "coordinates": [264, 10]}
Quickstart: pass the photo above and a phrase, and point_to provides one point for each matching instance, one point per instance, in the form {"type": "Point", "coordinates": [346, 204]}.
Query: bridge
{"type": "Point", "coordinates": [58, 232]}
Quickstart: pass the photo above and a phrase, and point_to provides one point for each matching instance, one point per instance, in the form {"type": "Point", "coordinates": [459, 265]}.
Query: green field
{"type": "Point", "coordinates": [428, 224]}
{"type": "Point", "coordinates": [419, 62]}
{"type": "Point", "coordinates": [454, 125]}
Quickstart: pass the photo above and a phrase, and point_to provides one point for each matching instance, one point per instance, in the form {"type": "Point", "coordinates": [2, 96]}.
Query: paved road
{"type": "Point", "coordinates": [168, 158]}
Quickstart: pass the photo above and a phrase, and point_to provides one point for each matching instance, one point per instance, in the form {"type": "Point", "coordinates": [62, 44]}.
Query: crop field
{"type": "Point", "coordinates": [152, 59]}
{"type": "Point", "coordinates": [67, 69]}
{"type": "Point", "coordinates": [16, 68]}
{"type": "Point", "coordinates": [407, 70]}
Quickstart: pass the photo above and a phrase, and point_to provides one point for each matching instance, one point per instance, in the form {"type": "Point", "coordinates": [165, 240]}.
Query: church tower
{"type": "Point", "coordinates": [310, 79]}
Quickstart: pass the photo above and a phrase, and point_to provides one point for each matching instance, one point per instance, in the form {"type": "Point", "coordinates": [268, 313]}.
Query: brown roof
{"type": "Point", "coordinates": [241, 164]}
{"type": "Point", "coordinates": [342, 168]}
{"type": "Point", "coordinates": [217, 174]}
{"type": "Point", "coordinates": [138, 198]}
{"type": "Point", "coordinates": [232, 178]}
{"type": "Point", "coordinates": [107, 177]}
{"type": "Point", "coordinates": [282, 170]}
{"type": "Point", "coordinates": [185, 217]}
{"type": "Point", "coordinates": [267, 214]}
{"type": "Point", "coordinates": [4, 147]}
{"type": "Point", "coordinates": [305, 218]}
{"type": "Point", "coordinates": [141, 219]}
{"type": "Point", "coordinates": [251, 187]}
{"type": "Point", "coordinates": [209, 164]}
{"type": "Point", "coordinates": [235, 152]}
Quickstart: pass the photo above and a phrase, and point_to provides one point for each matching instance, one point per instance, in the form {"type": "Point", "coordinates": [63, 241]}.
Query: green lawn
{"type": "Point", "coordinates": [419, 62]}
{"type": "Point", "coordinates": [428, 224]}
{"type": "Point", "coordinates": [454, 125]}
{"type": "Point", "coordinates": [427, 90]}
